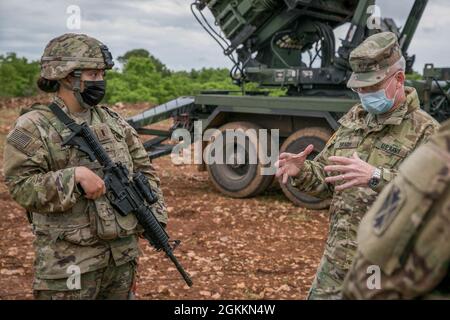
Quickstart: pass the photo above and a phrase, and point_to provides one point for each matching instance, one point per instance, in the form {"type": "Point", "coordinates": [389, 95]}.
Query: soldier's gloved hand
{"type": "Point", "coordinates": [354, 172]}
{"type": "Point", "coordinates": [290, 164]}
{"type": "Point", "coordinates": [92, 184]}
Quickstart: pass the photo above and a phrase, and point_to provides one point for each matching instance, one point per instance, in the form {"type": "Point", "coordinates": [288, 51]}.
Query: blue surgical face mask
{"type": "Point", "coordinates": [377, 102]}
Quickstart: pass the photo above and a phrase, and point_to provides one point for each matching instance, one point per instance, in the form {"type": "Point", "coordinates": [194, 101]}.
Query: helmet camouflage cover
{"type": "Point", "coordinates": [72, 51]}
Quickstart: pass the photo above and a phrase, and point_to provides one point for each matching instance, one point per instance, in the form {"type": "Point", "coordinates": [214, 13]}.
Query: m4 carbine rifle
{"type": "Point", "coordinates": [126, 195]}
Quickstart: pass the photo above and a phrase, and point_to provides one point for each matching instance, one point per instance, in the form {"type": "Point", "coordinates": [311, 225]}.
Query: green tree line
{"type": "Point", "coordinates": [17, 76]}
{"type": "Point", "coordinates": [142, 78]}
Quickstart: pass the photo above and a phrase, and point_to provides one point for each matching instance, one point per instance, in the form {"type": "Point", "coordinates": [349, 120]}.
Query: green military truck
{"type": "Point", "coordinates": [287, 44]}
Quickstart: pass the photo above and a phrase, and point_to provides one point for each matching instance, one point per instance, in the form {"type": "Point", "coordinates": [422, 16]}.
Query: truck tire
{"type": "Point", "coordinates": [239, 180]}
{"type": "Point", "coordinates": [295, 143]}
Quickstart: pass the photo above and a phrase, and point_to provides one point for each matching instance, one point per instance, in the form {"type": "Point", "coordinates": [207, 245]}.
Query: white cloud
{"type": "Point", "coordinates": [164, 27]}
{"type": "Point", "coordinates": [167, 29]}
{"type": "Point", "coordinates": [431, 42]}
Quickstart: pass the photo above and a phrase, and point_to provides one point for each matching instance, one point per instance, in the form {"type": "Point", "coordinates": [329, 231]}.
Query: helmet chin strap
{"type": "Point", "coordinates": [76, 88]}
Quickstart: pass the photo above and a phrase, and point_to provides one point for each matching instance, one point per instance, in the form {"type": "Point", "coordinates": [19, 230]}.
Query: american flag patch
{"type": "Point", "coordinates": [21, 140]}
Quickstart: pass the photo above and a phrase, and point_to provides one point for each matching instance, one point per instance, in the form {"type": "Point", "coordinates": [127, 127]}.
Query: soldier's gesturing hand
{"type": "Point", "coordinates": [92, 184]}
{"type": "Point", "coordinates": [354, 172]}
{"type": "Point", "coordinates": [290, 164]}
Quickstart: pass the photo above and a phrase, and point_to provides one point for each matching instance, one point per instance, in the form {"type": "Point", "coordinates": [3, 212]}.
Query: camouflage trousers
{"type": "Point", "coordinates": [327, 284]}
{"type": "Point", "coordinates": [109, 283]}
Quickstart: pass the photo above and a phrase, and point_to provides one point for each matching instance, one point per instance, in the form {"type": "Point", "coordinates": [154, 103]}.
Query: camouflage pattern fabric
{"type": "Point", "coordinates": [374, 60]}
{"type": "Point", "coordinates": [406, 234]}
{"type": "Point", "coordinates": [71, 51]}
{"type": "Point", "coordinates": [382, 141]}
{"type": "Point", "coordinates": [109, 283]}
{"type": "Point", "coordinates": [329, 275]}
{"type": "Point", "coordinates": [70, 229]}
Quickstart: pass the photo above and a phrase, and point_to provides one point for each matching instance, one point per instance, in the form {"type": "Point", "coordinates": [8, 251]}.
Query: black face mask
{"type": "Point", "coordinates": [93, 92]}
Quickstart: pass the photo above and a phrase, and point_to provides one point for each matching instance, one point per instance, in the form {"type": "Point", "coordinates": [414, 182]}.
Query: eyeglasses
{"type": "Point", "coordinates": [375, 87]}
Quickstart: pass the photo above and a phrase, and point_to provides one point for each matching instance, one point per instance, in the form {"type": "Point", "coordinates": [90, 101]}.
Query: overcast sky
{"type": "Point", "coordinates": [167, 29]}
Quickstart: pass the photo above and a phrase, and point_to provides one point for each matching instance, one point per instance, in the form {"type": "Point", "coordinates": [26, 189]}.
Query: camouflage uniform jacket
{"type": "Point", "coordinates": [383, 142]}
{"type": "Point", "coordinates": [406, 234]}
{"type": "Point", "coordinates": [69, 228]}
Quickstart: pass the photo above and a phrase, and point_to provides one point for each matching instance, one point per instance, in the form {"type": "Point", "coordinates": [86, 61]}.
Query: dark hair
{"type": "Point", "coordinates": [48, 85]}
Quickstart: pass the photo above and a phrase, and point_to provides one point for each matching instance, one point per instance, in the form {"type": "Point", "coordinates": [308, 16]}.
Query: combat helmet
{"type": "Point", "coordinates": [70, 53]}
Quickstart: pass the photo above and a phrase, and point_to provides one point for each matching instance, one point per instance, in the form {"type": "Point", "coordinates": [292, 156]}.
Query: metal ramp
{"type": "Point", "coordinates": [162, 112]}
{"type": "Point", "coordinates": [171, 109]}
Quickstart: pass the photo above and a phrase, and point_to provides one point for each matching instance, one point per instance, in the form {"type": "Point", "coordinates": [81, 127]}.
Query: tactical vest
{"type": "Point", "coordinates": [88, 221]}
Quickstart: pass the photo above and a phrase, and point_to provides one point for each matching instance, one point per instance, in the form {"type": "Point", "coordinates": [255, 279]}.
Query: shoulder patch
{"type": "Point", "coordinates": [388, 210]}
{"type": "Point", "coordinates": [23, 141]}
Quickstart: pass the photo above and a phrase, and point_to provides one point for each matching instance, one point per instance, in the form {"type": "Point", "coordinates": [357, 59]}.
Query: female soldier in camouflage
{"type": "Point", "coordinates": [84, 248]}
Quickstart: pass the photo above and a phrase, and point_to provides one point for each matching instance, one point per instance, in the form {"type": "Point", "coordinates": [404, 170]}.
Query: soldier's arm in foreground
{"type": "Point", "coordinates": [28, 176]}
{"type": "Point", "coordinates": [403, 247]}
{"type": "Point", "coordinates": [142, 163]}
{"type": "Point", "coordinates": [311, 178]}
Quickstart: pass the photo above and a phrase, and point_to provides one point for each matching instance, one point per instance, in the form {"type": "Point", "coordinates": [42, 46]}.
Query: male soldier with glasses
{"type": "Point", "coordinates": [363, 155]}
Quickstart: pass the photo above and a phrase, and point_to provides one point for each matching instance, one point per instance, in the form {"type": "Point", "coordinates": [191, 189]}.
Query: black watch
{"type": "Point", "coordinates": [375, 179]}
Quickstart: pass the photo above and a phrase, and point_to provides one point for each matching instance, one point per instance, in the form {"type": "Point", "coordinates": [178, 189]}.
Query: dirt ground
{"type": "Point", "coordinates": [258, 248]}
